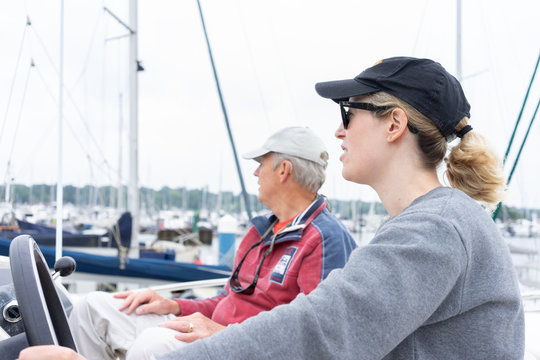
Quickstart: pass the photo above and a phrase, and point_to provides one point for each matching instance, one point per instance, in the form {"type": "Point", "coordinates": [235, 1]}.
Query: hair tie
{"type": "Point", "coordinates": [463, 131]}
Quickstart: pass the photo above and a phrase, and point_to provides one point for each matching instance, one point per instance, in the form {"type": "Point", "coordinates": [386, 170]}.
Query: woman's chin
{"type": "Point", "coordinates": [346, 175]}
{"type": "Point", "coordinates": [351, 176]}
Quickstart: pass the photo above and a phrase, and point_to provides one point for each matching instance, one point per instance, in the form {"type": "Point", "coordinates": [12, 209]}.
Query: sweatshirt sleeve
{"type": "Point", "coordinates": [385, 292]}
{"type": "Point", "coordinates": [205, 307]}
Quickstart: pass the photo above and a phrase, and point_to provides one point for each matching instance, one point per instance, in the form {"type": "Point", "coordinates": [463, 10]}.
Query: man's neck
{"type": "Point", "coordinates": [292, 204]}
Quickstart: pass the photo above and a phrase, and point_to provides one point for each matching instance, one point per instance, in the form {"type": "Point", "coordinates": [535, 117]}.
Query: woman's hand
{"type": "Point", "coordinates": [147, 302]}
{"type": "Point", "coordinates": [49, 352]}
{"type": "Point", "coordinates": [193, 327]}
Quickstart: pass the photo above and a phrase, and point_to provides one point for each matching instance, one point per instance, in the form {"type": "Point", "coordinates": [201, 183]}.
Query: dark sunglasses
{"type": "Point", "coordinates": [234, 282]}
{"type": "Point", "coordinates": [346, 113]}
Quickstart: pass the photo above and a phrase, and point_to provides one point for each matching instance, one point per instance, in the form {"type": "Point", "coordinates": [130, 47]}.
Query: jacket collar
{"type": "Point", "coordinates": [295, 229]}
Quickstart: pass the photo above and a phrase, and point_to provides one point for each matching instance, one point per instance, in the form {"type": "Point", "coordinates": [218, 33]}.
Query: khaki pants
{"type": "Point", "coordinates": [102, 332]}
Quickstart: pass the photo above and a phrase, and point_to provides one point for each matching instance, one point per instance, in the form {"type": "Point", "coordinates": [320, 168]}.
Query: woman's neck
{"type": "Point", "coordinates": [397, 194]}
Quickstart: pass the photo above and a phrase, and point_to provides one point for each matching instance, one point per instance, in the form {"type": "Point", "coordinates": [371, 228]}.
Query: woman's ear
{"type": "Point", "coordinates": [397, 124]}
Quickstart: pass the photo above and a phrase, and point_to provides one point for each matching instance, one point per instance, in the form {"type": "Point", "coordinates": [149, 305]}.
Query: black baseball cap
{"type": "Point", "coordinates": [422, 83]}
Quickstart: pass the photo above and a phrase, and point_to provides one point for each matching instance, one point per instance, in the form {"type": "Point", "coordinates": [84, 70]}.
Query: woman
{"type": "Point", "coordinates": [437, 281]}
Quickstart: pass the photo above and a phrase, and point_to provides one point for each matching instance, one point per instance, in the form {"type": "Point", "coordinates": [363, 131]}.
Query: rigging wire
{"type": "Point", "coordinates": [257, 80]}
{"type": "Point", "coordinates": [422, 18]}
{"type": "Point", "coordinates": [523, 143]}
{"type": "Point", "coordinates": [74, 133]}
{"type": "Point", "coordinates": [70, 96]}
{"type": "Point", "coordinates": [224, 110]}
{"type": "Point", "coordinates": [46, 134]}
{"type": "Point", "coordinates": [108, 167]}
{"type": "Point", "coordinates": [44, 48]}
{"type": "Point", "coordinates": [521, 111]}
{"type": "Point", "coordinates": [90, 47]}
{"type": "Point", "coordinates": [83, 71]}
{"type": "Point", "coordinates": [85, 123]}
{"type": "Point", "coordinates": [496, 212]}
{"type": "Point", "coordinates": [28, 23]}
{"type": "Point", "coordinates": [19, 117]}
{"type": "Point", "coordinates": [285, 74]}
{"type": "Point", "coordinates": [501, 103]}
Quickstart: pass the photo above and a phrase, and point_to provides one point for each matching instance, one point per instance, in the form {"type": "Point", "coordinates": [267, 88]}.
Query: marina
{"type": "Point", "coordinates": [141, 104]}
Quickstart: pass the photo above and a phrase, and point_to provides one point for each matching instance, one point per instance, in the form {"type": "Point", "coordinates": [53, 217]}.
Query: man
{"type": "Point", "coordinates": [283, 254]}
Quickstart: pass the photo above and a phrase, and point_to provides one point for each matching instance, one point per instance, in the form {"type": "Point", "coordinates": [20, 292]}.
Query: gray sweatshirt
{"type": "Point", "coordinates": [436, 282]}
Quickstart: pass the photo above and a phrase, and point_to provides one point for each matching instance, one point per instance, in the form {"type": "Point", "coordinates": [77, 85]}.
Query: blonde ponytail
{"type": "Point", "coordinates": [474, 168]}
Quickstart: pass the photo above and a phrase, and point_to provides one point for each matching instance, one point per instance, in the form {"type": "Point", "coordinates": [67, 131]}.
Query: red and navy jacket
{"type": "Point", "coordinates": [304, 253]}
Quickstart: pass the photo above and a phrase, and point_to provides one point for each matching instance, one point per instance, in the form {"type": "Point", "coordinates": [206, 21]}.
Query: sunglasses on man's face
{"type": "Point", "coordinates": [346, 113]}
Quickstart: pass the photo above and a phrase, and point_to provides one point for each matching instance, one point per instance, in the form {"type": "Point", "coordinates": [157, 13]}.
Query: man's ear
{"type": "Point", "coordinates": [397, 124]}
{"type": "Point", "coordinates": [285, 170]}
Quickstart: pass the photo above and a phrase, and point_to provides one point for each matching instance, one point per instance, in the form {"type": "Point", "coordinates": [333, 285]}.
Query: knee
{"type": "Point", "coordinates": [153, 341]}
{"type": "Point", "coordinates": [140, 350]}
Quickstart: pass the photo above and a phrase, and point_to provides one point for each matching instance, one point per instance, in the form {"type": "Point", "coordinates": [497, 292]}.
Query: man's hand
{"type": "Point", "coordinates": [147, 302]}
{"type": "Point", "coordinates": [49, 352]}
{"type": "Point", "coordinates": [193, 327]}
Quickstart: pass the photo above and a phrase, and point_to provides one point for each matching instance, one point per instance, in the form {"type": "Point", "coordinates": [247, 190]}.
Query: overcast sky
{"type": "Point", "coordinates": [268, 55]}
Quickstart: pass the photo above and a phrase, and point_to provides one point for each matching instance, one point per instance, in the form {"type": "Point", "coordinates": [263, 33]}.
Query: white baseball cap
{"type": "Point", "coordinates": [297, 141]}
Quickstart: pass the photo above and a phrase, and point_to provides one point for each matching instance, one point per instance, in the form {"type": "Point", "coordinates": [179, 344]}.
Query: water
{"type": "Point", "coordinates": [527, 263]}
{"type": "Point", "coordinates": [362, 237]}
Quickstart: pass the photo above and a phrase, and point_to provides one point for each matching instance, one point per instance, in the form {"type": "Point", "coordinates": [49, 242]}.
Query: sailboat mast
{"type": "Point", "coordinates": [8, 184]}
{"type": "Point", "coordinates": [224, 110]}
{"type": "Point", "coordinates": [59, 183]}
{"type": "Point", "coordinates": [133, 188]}
{"type": "Point", "coordinates": [120, 192]}
{"type": "Point", "coordinates": [458, 41]}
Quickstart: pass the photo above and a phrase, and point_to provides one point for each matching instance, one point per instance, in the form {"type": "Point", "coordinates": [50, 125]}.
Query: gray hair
{"type": "Point", "coordinates": [306, 173]}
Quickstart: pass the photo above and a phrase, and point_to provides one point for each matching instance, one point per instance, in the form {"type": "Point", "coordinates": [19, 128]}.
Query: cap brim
{"type": "Point", "coordinates": [253, 154]}
{"type": "Point", "coordinates": [342, 90]}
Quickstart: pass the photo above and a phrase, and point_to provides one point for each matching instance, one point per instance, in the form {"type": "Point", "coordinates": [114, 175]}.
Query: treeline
{"type": "Point", "coordinates": [192, 199]}
{"type": "Point", "coordinates": [150, 199]}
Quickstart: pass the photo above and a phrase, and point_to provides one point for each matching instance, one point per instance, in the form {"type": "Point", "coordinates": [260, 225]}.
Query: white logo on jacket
{"type": "Point", "coordinates": [278, 273]}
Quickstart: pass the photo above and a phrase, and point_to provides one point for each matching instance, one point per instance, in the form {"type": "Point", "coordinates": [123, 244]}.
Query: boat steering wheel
{"type": "Point", "coordinates": [43, 315]}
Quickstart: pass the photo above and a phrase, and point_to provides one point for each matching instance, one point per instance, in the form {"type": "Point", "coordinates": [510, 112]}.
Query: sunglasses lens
{"type": "Point", "coordinates": [236, 287]}
{"type": "Point", "coordinates": [234, 282]}
{"type": "Point", "coordinates": [344, 116]}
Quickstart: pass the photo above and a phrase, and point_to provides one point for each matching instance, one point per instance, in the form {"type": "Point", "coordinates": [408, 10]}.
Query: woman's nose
{"type": "Point", "coordinates": [340, 131]}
